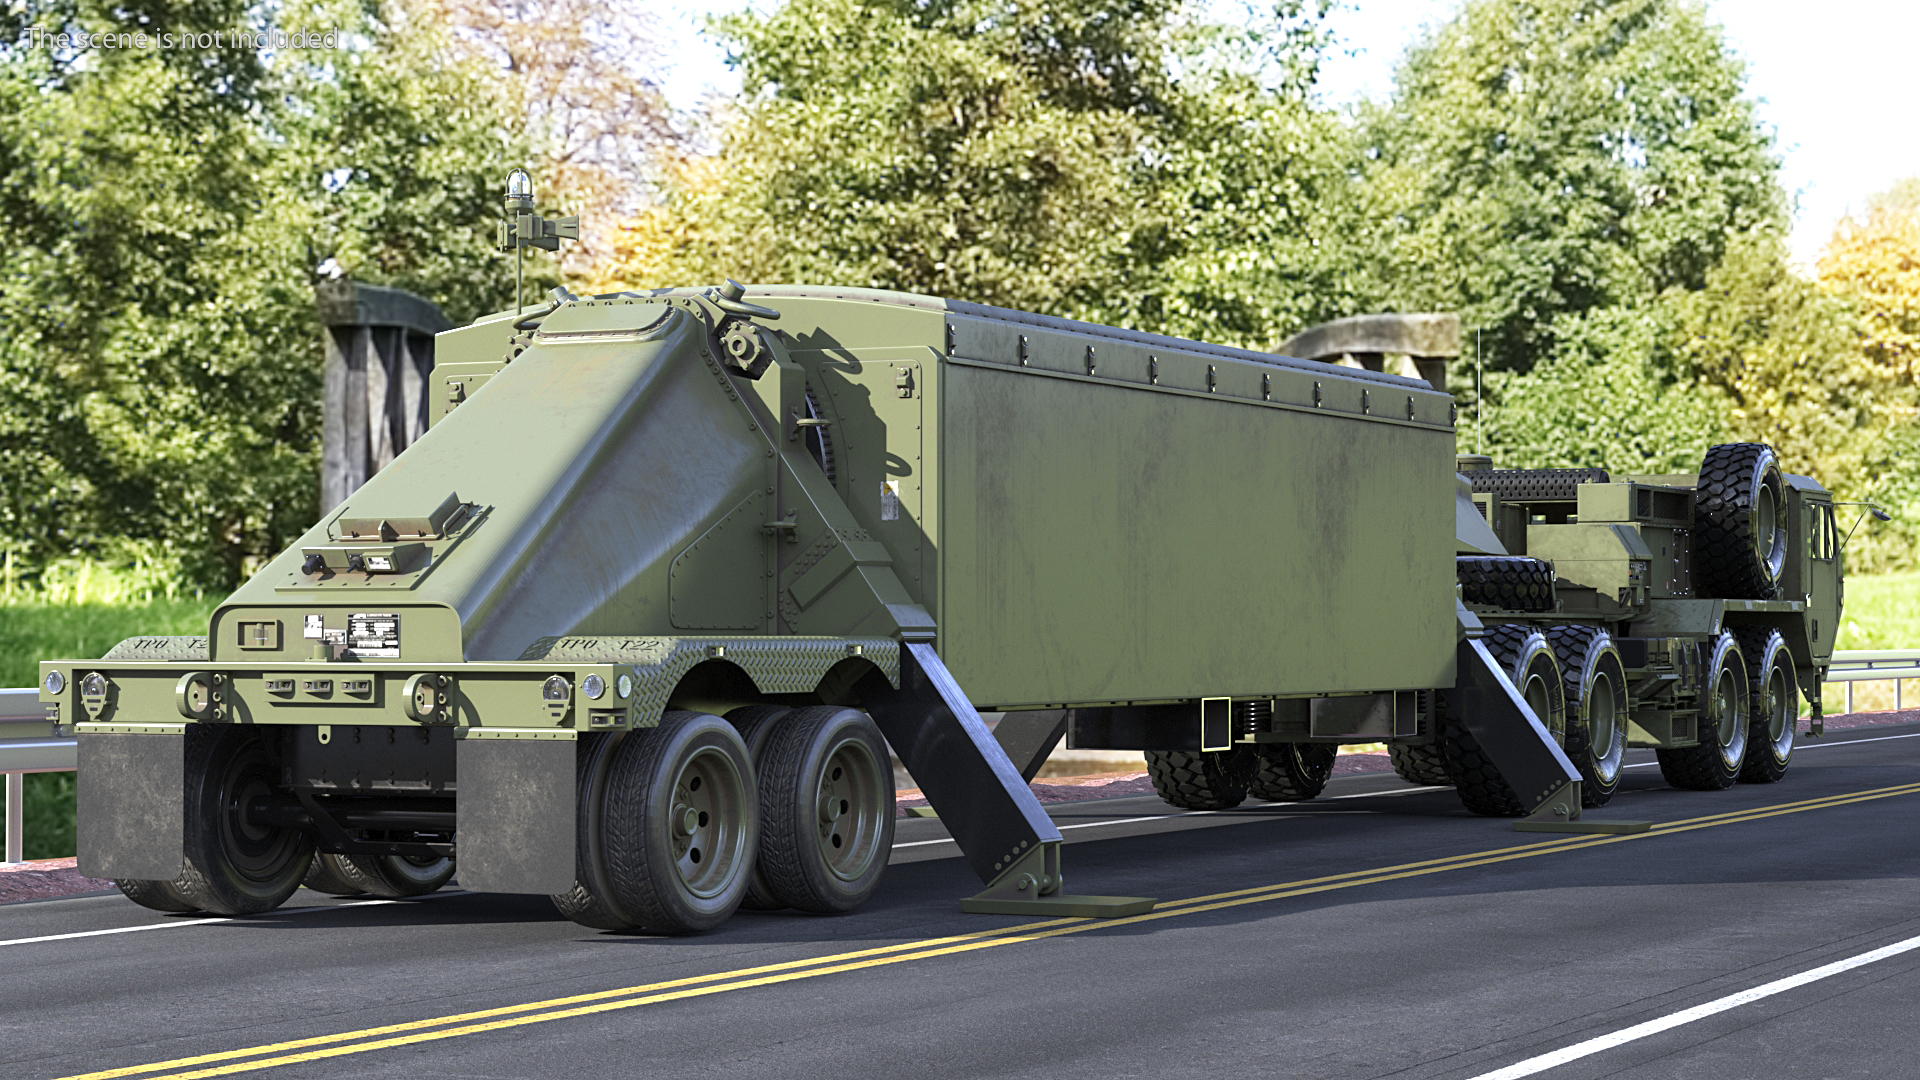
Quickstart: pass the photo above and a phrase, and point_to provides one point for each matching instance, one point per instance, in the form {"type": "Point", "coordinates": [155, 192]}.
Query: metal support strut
{"type": "Point", "coordinates": [980, 796]}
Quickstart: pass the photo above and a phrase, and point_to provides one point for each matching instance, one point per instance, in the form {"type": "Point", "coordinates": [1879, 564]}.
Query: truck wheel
{"type": "Point", "coordinates": [1595, 690]}
{"type": "Point", "coordinates": [826, 810]}
{"type": "Point", "coordinates": [1291, 772]}
{"type": "Point", "coordinates": [1535, 668]}
{"type": "Point", "coordinates": [1716, 762]}
{"type": "Point", "coordinates": [234, 865]}
{"type": "Point", "coordinates": [1479, 784]}
{"type": "Point", "coordinates": [325, 876]}
{"type": "Point", "coordinates": [1423, 765]}
{"type": "Point", "coordinates": [1208, 780]}
{"type": "Point", "coordinates": [681, 824]}
{"type": "Point", "coordinates": [158, 895]}
{"type": "Point", "coordinates": [590, 901]}
{"type": "Point", "coordinates": [1513, 582]}
{"type": "Point", "coordinates": [755, 723]}
{"type": "Point", "coordinates": [391, 877]}
{"type": "Point", "coordinates": [1773, 709]}
{"type": "Point", "coordinates": [1739, 523]}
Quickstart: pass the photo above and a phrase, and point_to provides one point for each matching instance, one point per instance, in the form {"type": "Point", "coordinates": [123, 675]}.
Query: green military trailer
{"type": "Point", "coordinates": [636, 622]}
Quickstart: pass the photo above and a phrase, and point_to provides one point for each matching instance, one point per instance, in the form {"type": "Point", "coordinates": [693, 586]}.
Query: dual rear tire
{"type": "Point", "coordinates": [1222, 779]}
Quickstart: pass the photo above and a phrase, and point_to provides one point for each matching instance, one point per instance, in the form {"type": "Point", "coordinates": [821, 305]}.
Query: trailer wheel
{"type": "Point", "coordinates": [234, 865]}
{"type": "Point", "coordinates": [1716, 762]}
{"type": "Point", "coordinates": [590, 901]}
{"type": "Point", "coordinates": [1291, 772]}
{"type": "Point", "coordinates": [1527, 657]}
{"type": "Point", "coordinates": [1423, 765]}
{"type": "Point", "coordinates": [1740, 523]}
{"type": "Point", "coordinates": [681, 824]}
{"type": "Point", "coordinates": [1774, 705]}
{"type": "Point", "coordinates": [755, 724]}
{"type": "Point", "coordinates": [826, 810]}
{"type": "Point", "coordinates": [1475, 779]}
{"type": "Point", "coordinates": [325, 876]}
{"type": "Point", "coordinates": [158, 895]}
{"type": "Point", "coordinates": [1595, 692]}
{"type": "Point", "coordinates": [1207, 780]}
{"type": "Point", "coordinates": [1513, 582]}
{"type": "Point", "coordinates": [391, 877]}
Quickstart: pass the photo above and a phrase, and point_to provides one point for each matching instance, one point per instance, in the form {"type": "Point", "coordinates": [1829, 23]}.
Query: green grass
{"type": "Point", "coordinates": [1880, 612]}
{"type": "Point", "coordinates": [32, 632]}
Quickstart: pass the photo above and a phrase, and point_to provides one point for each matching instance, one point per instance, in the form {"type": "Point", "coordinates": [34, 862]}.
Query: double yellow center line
{"type": "Point", "coordinates": [320, 1047]}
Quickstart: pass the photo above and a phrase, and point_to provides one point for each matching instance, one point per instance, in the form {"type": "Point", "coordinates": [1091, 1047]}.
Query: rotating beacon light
{"type": "Point", "coordinates": [523, 229]}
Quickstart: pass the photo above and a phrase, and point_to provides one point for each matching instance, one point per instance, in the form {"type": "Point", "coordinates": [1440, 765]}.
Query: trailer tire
{"type": "Point", "coordinates": [1527, 657]}
{"type": "Point", "coordinates": [755, 724]}
{"type": "Point", "coordinates": [324, 876]}
{"type": "Point", "coordinates": [1291, 772]}
{"type": "Point", "coordinates": [1417, 764]}
{"type": "Point", "coordinates": [1479, 784]}
{"type": "Point", "coordinates": [1773, 707]}
{"type": "Point", "coordinates": [681, 823]}
{"type": "Point", "coordinates": [590, 902]}
{"type": "Point", "coordinates": [158, 895]}
{"type": "Point", "coordinates": [1203, 780]}
{"type": "Point", "coordinates": [391, 877]}
{"type": "Point", "coordinates": [232, 865]}
{"type": "Point", "coordinates": [826, 810]}
{"type": "Point", "coordinates": [1513, 582]}
{"type": "Point", "coordinates": [1716, 762]}
{"type": "Point", "coordinates": [1595, 692]}
{"type": "Point", "coordinates": [1739, 523]}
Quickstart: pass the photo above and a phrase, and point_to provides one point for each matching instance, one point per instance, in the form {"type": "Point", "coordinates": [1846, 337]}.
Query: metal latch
{"type": "Point", "coordinates": [903, 381]}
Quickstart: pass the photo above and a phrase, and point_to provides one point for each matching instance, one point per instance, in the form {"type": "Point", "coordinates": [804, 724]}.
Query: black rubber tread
{"type": "Point", "coordinates": [1417, 764]}
{"type": "Point", "coordinates": [590, 902]}
{"type": "Point", "coordinates": [1583, 652]}
{"type": "Point", "coordinates": [755, 723]}
{"type": "Point", "coordinates": [1291, 772]}
{"type": "Point", "coordinates": [218, 757]}
{"type": "Point", "coordinates": [636, 850]}
{"type": "Point", "coordinates": [1535, 485]}
{"type": "Point", "coordinates": [1196, 780]}
{"type": "Point", "coordinates": [158, 895]}
{"type": "Point", "coordinates": [1513, 582]}
{"type": "Point", "coordinates": [1509, 643]}
{"type": "Point", "coordinates": [324, 876]}
{"type": "Point", "coordinates": [1764, 763]}
{"type": "Point", "coordinates": [1479, 784]}
{"type": "Point", "coordinates": [1724, 561]}
{"type": "Point", "coordinates": [394, 877]}
{"type": "Point", "coordinates": [1702, 767]}
{"type": "Point", "coordinates": [790, 859]}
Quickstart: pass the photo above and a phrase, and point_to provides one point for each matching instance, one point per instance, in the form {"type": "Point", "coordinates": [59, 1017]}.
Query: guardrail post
{"type": "Point", "coordinates": [16, 815]}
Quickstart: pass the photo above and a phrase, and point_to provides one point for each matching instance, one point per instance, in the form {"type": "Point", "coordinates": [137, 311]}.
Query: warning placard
{"type": "Point", "coordinates": [374, 636]}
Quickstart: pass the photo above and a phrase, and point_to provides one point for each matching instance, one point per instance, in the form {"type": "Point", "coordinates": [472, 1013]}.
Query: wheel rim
{"type": "Point", "coordinates": [1608, 740]}
{"type": "Point", "coordinates": [1538, 694]}
{"type": "Point", "coordinates": [1726, 708]}
{"type": "Point", "coordinates": [847, 809]}
{"type": "Point", "coordinates": [417, 870]}
{"type": "Point", "coordinates": [255, 852]}
{"type": "Point", "coordinates": [1781, 712]}
{"type": "Point", "coordinates": [705, 822]}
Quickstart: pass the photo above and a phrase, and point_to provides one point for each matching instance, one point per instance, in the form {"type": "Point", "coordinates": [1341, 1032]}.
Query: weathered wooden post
{"type": "Point", "coordinates": [379, 345]}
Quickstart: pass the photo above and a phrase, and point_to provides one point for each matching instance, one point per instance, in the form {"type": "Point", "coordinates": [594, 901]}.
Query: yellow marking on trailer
{"type": "Point", "coordinates": [321, 1047]}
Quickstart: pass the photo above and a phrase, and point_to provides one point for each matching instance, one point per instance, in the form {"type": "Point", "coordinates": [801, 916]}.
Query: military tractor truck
{"type": "Point", "coordinates": [635, 622]}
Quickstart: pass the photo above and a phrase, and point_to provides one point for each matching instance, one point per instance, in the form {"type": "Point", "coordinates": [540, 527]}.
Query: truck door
{"type": "Point", "coordinates": [1823, 580]}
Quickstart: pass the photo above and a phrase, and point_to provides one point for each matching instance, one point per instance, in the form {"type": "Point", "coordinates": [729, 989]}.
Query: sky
{"type": "Point", "coordinates": [1836, 91]}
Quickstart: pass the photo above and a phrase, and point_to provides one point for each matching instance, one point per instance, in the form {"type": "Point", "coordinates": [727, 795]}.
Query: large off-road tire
{"type": "Point", "coordinates": [1513, 582]}
{"type": "Point", "coordinates": [1475, 779]}
{"type": "Point", "coordinates": [390, 877]}
{"type": "Point", "coordinates": [158, 895]}
{"type": "Point", "coordinates": [1202, 780]}
{"type": "Point", "coordinates": [590, 902]}
{"type": "Point", "coordinates": [1291, 772]}
{"type": "Point", "coordinates": [1595, 687]}
{"type": "Point", "coordinates": [324, 876]}
{"type": "Point", "coordinates": [826, 810]}
{"type": "Point", "coordinates": [1773, 709]}
{"type": "Point", "coordinates": [234, 865]}
{"type": "Point", "coordinates": [755, 724]}
{"type": "Point", "coordinates": [681, 826]}
{"type": "Point", "coordinates": [1716, 762]}
{"type": "Point", "coordinates": [1529, 662]}
{"type": "Point", "coordinates": [1423, 765]}
{"type": "Point", "coordinates": [1739, 523]}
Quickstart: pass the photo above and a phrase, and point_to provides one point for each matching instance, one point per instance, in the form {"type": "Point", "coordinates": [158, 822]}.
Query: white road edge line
{"type": "Point", "coordinates": [1807, 746]}
{"type": "Point", "coordinates": [1577, 1051]}
{"type": "Point", "coordinates": [190, 922]}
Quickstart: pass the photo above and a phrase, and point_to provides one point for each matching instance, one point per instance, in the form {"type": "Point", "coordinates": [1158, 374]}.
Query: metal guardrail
{"type": "Point", "coordinates": [1874, 665]}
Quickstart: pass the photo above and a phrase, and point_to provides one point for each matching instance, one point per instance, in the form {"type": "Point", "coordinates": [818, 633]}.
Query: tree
{"type": "Point", "coordinates": [1547, 158]}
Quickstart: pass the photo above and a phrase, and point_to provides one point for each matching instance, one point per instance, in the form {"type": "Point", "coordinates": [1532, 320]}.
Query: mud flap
{"type": "Point", "coordinates": [132, 805]}
{"type": "Point", "coordinates": [515, 807]}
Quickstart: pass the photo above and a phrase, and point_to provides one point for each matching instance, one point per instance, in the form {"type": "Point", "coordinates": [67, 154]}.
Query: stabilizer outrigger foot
{"type": "Point", "coordinates": [1031, 886]}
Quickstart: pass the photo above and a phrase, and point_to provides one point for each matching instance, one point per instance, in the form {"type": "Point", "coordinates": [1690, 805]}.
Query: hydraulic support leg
{"type": "Point", "coordinates": [980, 796]}
{"type": "Point", "coordinates": [1526, 755]}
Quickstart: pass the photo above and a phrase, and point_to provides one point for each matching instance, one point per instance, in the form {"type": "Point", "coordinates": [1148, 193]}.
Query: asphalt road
{"type": "Point", "coordinates": [1381, 932]}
